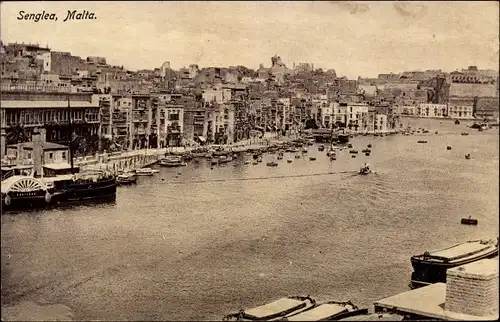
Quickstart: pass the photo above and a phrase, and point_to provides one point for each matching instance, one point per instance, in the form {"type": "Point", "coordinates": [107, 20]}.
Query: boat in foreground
{"type": "Point", "coordinates": [327, 311]}
{"type": "Point", "coordinates": [374, 317]}
{"type": "Point", "coordinates": [431, 267]}
{"type": "Point", "coordinates": [275, 310]}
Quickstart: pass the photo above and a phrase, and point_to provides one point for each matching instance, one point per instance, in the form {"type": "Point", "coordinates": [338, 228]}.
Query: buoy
{"type": "Point", "coordinates": [48, 197]}
{"type": "Point", "coordinates": [469, 221]}
{"type": "Point", "coordinates": [7, 200]}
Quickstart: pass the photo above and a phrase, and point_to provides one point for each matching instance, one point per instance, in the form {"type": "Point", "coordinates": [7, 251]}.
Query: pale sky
{"type": "Point", "coordinates": [355, 38]}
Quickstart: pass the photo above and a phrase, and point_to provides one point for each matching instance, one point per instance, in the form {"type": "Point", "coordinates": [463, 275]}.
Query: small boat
{"type": "Point", "coordinates": [369, 146]}
{"type": "Point", "coordinates": [312, 159]}
{"type": "Point", "coordinates": [214, 161]}
{"type": "Point", "coordinates": [280, 157]}
{"type": "Point", "coordinates": [430, 267]}
{"type": "Point", "coordinates": [333, 158]}
{"type": "Point", "coordinates": [172, 161]}
{"type": "Point", "coordinates": [321, 148]}
{"type": "Point", "coordinates": [304, 150]}
{"type": "Point", "coordinates": [224, 159]}
{"type": "Point", "coordinates": [289, 160]}
{"type": "Point", "coordinates": [349, 145]}
{"type": "Point", "coordinates": [365, 169]}
{"type": "Point", "coordinates": [126, 178]}
{"type": "Point", "coordinates": [248, 162]}
{"type": "Point", "coordinates": [464, 133]}
{"type": "Point", "coordinates": [366, 151]}
{"type": "Point", "coordinates": [281, 308]}
{"type": "Point", "coordinates": [457, 122]}
{"type": "Point", "coordinates": [353, 156]}
{"type": "Point", "coordinates": [255, 163]}
{"type": "Point", "coordinates": [145, 172]}
{"type": "Point", "coordinates": [367, 154]}
{"type": "Point", "coordinates": [425, 131]}
{"type": "Point", "coordinates": [272, 164]}
{"type": "Point", "coordinates": [353, 151]}
{"type": "Point", "coordinates": [259, 159]}
{"type": "Point", "coordinates": [448, 147]}
{"type": "Point", "coordinates": [328, 311]}
{"type": "Point", "coordinates": [297, 156]}
{"type": "Point", "coordinates": [469, 221]}
{"type": "Point", "coordinates": [421, 141]}
{"type": "Point", "coordinates": [467, 156]}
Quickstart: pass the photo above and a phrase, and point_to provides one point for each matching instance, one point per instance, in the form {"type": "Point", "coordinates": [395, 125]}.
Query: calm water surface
{"type": "Point", "coordinates": [171, 248]}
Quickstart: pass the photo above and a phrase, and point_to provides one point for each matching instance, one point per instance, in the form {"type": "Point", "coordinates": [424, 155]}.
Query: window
{"type": "Point", "coordinates": [64, 155]}
{"type": "Point", "coordinates": [51, 155]}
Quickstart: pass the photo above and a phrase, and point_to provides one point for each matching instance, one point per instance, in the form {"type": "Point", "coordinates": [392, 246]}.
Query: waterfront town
{"type": "Point", "coordinates": [307, 161]}
{"type": "Point", "coordinates": [114, 109]}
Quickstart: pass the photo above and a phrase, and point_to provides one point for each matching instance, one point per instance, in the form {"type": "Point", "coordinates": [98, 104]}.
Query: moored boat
{"type": "Point", "coordinates": [126, 178]}
{"type": "Point", "coordinates": [321, 148]}
{"type": "Point", "coordinates": [327, 311]}
{"type": "Point", "coordinates": [361, 316]}
{"type": "Point", "coordinates": [272, 164]}
{"type": "Point", "coordinates": [145, 172]}
{"type": "Point", "coordinates": [431, 267]}
{"type": "Point", "coordinates": [276, 310]}
{"type": "Point", "coordinates": [421, 141]}
{"type": "Point", "coordinates": [172, 161]}
{"type": "Point", "coordinates": [25, 192]}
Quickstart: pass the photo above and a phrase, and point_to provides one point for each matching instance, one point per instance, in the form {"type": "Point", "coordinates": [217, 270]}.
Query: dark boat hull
{"type": "Point", "coordinates": [425, 273]}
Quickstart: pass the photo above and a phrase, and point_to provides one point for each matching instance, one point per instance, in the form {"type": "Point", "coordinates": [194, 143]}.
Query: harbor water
{"type": "Point", "coordinates": [195, 243]}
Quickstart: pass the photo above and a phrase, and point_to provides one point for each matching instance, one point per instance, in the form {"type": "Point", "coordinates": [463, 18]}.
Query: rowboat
{"type": "Point", "coordinates": [278, 309]}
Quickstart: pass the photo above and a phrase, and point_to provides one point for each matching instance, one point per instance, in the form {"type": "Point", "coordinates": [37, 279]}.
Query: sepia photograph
{"type": "Point", "coordinates": [249, 160]}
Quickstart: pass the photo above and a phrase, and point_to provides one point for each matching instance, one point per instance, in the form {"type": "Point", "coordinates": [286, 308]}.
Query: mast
{"type": "Point", "coordinates": [70, 137]}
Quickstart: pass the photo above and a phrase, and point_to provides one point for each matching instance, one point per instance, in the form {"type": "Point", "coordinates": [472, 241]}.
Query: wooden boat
{"type": "Point", "coordinates": [349, 146]}
{"type": "Point", "coordinates": [448, 147]}
{"type": "Point", "coordinates": [304, 150]}
{"type": "Point", "coordinates": [366, 150]}
{"type": "Point", "coordinates": [353, 156]}
{"type": "Point", "coordinates": [126, 178]}
{"type": "Point", "coordinates": [457, 122]}
{"type": "Point", "coordinates": [353, 151]}
{"type": "Point", "coordinates": [430, 267]}
{"type": "Point", "coordinates": [369, 146]}
{"type": "Point", "coordinates": [172, 161]}
{"type": "Point", "coordinates": [467, 156]}
{"type": "Point", "coordinates": [327, 311]}
{"type": "Point", "coordinates": [321, 148]}
{"type": "Point", "coordinates": [297, 156]}
{"type": "Point", "coordinates": [145, 172]}
{"type": "Point", "coordinates": [255, 163]}
{"type": "Point", "coordinates": [464, 133]}
{"type": "Point", "coordinates": [421, 141]}
{"type": "Point", "coordinates": [289, 160]}
{"type": "Point", "coordinates": [283, 307]}
{"type": "Point", "coordinates": [280, 157]}
{"type": "Point", "coordinates": [259, 159]}
{"type": "Point", "coordinates": [214, 161]}
{"type": "Point", "coordinates": [333, 158]}
{"type": "Point", "coordinates": [312, 159]}
{"type": "Point", "coordinates": [272, 164]}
